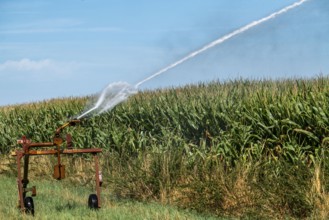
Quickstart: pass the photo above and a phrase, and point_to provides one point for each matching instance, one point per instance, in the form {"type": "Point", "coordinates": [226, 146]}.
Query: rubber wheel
{"type": "Point", "coordinates": [93, 201]}
{"type": "Point", "coordinates": [29, 206]}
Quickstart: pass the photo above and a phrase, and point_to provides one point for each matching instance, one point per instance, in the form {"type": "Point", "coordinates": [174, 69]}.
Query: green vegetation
{"type": "Point", "coordinates": [244, 148]}
{"type": "Point", "coordinates": [60, 200]}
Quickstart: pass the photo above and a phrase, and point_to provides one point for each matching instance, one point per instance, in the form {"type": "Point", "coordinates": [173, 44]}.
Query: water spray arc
{"type": "Point", "coordinates": [222, 40]}
{"type": "Point", "coordinates": [110, 96]}
{"type": "Point", "coordinates": [120, 91]}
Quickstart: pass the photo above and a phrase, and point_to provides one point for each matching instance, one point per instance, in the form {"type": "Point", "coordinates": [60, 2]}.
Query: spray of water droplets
{"type": "Point", "coordinates": [111, 95]}
{"type": "Point", "coordinates": [116, 93]}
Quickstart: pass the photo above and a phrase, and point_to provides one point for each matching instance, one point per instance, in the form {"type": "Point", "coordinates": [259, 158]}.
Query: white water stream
{"type": "Point", "coordinates": [116, 93]}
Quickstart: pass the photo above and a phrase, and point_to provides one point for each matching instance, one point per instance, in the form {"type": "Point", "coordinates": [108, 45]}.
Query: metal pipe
{"type": "Point", "coordinates": [98, 189]}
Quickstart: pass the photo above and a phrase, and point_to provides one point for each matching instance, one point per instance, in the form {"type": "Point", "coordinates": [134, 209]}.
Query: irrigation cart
{"type": "Point", "coordinates": [51, 148]}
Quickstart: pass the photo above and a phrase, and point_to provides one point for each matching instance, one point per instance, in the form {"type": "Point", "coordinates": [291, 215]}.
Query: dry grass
{"type": "Point", "coordinates": [78, 170]}
{"type": "Point", "coordinates": [238, 191]}
{"type": "Point", "coordinates": [5, 164]}
{"type": "Point", "coordinates": [318, 195]}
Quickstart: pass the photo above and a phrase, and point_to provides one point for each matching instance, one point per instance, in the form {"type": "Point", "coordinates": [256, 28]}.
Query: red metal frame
{"type": "Point", "coordinates": [27, 151]}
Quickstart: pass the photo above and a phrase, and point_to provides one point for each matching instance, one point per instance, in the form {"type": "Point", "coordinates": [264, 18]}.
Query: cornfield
{"type": "Point", "coordinates": [201, 142]}
{"type": "Point", "coordinates": [280, 118]}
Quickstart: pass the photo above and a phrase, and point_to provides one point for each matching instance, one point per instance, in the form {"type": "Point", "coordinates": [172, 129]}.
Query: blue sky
{"type": "Point", "coordinates": [63, 48]}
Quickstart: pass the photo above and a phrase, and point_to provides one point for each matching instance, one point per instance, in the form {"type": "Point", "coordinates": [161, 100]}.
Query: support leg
{"type": "Point", "coordinates": [19, 156]}
{"type": "Point", "coordinates": [25, 180]}
{"type": "Point", "coordinates": [98, 188]}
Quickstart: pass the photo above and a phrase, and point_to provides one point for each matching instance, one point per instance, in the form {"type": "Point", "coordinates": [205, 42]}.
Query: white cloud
{"type": "Point", "coordinates": [25, 65]}
{"type": "Point", "coordinates": [39, 69]}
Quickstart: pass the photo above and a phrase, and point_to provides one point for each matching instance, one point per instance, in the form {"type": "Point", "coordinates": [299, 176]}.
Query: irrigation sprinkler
{"type": "Point", "coordinates": [55, 147]}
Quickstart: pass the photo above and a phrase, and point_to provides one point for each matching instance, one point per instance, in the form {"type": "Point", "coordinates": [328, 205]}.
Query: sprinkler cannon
{"type": "Point", "coordinates": [73, 122]}
{"type": "Point", "coordinates": [56, 148]}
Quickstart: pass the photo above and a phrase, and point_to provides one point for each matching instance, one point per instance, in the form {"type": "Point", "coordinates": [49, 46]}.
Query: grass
{"type": "Point", "coordinates": [62, 200]}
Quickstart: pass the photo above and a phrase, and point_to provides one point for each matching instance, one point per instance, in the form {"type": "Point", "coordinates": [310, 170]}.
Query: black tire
{"type": "Point", "coordinates": [29, 206]}
{"type": "Point", "coordinates": [93, 201]}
